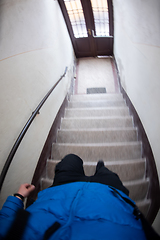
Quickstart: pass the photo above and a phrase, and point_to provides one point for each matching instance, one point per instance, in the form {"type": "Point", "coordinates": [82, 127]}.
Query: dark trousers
{"type": "Point", "coordinates": [70, 169]}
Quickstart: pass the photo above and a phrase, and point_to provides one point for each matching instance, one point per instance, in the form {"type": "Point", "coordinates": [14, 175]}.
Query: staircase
{"type": "Point", "coordinates": [99, 126]}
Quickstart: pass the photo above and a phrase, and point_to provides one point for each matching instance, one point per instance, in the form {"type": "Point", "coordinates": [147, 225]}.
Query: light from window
{"type": "Point", "coordinates": [101, 19]}
{"type": "Point", "coordinates": [76, 16]}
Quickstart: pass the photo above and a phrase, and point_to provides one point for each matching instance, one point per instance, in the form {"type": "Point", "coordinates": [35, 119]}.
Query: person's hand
{"type": "Point", "coordinates": [25, 189]}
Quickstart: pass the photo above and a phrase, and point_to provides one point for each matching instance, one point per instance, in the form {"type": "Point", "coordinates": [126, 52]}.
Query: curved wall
{"type": "Point", "coordinates": [35, 49]}
{"type": "Point", "coordinates": [137, 52]}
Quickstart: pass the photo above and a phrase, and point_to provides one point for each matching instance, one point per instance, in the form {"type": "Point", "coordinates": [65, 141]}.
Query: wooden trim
{"type": "Point", "coordinates": [68, 24]}
{"type": "Point", "coordinates": [110, 12]}
{"type": "Point", "coordinates": [116, 83]}
{"type": "Point", "coordinates": [151, 171]}
{"type": "Point", "coordinates": [88, 47]}
{"type": "Point", "coordinates": [77, 74]}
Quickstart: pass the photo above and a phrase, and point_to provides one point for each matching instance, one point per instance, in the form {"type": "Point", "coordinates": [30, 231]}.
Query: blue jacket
{"type": "Point", "coordinates": [86, 211]}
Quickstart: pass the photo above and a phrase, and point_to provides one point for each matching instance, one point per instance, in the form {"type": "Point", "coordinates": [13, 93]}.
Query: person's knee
{"type": "Point", "coordinates": [72, 157]}
{"type": "Point", "coordinates": [70, 163]}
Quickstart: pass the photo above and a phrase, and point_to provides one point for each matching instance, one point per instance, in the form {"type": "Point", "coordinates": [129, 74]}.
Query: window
{"type": "Point", "coordinates": [101, 18]}
{"type": "Point", "coordinates": [76, 16]}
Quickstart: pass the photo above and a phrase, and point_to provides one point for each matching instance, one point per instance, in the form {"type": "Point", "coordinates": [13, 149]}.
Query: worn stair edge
{"type": "Point", "coordinates": [96, 135]}
{"type": "Point", "coordinates": [127, 170]}
{"type": "Point", "coordinates": [96, 112]}
{"type": "Point", "coordinates": [138, 189]}
{"type": "Point", "coordinates": [94, 152]}
{"type": "Point", "coordinates": [101, 122]}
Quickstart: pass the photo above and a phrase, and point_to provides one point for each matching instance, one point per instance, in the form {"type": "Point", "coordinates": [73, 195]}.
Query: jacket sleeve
{"type": "Point", "coordinates": [10, 207]}
{"type": "Point", "coordinates": [8, 213]}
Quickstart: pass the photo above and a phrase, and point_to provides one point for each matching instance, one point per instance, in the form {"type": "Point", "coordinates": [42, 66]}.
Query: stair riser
{"type": "Point", "coordinates": [96, 152]}
{"type": "Point", "coordinates": [102, 112]}
{"type": "Point", "coordinates": [126, 171]}
{"type": "Point", "coordinates": [95, 104]}
{"type": "Point", "coordinates": [101, 136]}
{"type": "Point", "coordinates": [117, 97]}
{"type": "Point", "coordinates": [137, 191]}
{"type": "Point", "coordinates": [96, 123]}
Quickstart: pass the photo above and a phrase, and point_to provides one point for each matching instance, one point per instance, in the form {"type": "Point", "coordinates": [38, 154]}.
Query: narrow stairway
{"type": "Point", "coordinates": [99, 126]}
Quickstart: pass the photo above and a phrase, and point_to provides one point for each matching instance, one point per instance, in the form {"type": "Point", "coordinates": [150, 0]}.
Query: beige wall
{"type": "Point", "coordinates": [137, 52]}
{"type": "Point", "coordinates": [35, 49]}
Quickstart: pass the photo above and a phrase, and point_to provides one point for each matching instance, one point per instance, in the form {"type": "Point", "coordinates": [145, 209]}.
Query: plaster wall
{"type": "Point", "coordinates": [35, 48]}
{"type": "Point", "coordinates": [137, 52]}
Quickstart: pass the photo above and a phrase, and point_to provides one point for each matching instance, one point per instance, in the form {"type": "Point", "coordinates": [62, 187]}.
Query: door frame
{"type": "Point", "coordinates": [89, 46]}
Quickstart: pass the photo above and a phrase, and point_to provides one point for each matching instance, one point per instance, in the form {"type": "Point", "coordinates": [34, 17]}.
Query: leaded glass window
{"type": "Point", "coordinates": [76, 16]}
{"type": "Point", "coordinates": [101, 19]}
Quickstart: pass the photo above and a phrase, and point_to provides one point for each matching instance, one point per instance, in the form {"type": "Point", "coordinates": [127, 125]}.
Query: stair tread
{"type": "Point", "coordinates": [136, 182]}
{"type": "Point", "coordinates": [96, 103]}
{"type": "Point", "coordinates": [94, 135]}
{"type": "Point", "coordinates": [80, 112]}
{"type": "Point", "coordinates": [144, 201]}
{"type": "Point", "coordinates": [99, 129]}
{"type": "Point", "coordinates": [135, 143]}
{"type": "Point", "coordinates": [118, 162]}
{"type": "Point", "coordinates": [98, 100]}
{"type": "Point", "coordinates": [105, 151]}
{"type": "Point", "coordinates": [131, 183]}
{"type": "Point", "coordinates": [102, 130]}
{"type": "Point", "coordinates": [96, 96]}
{"type": "Point", "coordinates": [97, 108]}
{"type": "Point", "coordinates": [99, 122]}
{"type": "Point", "coordinates": [127, 169]}
{"type": "Point", "coordinates": [109, 108]}
{"type": "Point", "coordinates": [97, 118]}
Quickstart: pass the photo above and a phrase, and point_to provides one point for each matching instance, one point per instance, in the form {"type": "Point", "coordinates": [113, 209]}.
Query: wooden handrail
{"type": "Point", "coordinates": [24, 130]}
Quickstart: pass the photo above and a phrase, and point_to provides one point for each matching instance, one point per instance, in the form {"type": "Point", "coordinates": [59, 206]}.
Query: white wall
{"type": "Point", "coordinates": [35, 48]}
{"type": "Point", "coordinates": [137, 52]}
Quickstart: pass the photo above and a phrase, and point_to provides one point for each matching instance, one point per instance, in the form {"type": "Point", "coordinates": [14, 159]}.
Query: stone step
{"type": "Point", "coordinates": [94, 152]}
{"type": "Point", "coordinates": [138, 189]}
{"type": "Point", "coordinates": [98, 126]}
{"type": "Point", "coordinates": [46, 183]}
{"type": "Point", "coordinates": [144, 206]}
{"type": "Point", "coordinates": [84, 97]}
{"type": "Point", "coordinates": [100, 122]}
{"type": "Point", "coordinates": [96, 136]}
{"type": "Point", "coordinates": [96, 112]}
{"type": "Point", "coordinates": [128, 170]}
{"type": "Point", "coordinates": [98, 103]}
